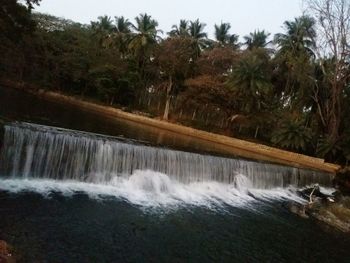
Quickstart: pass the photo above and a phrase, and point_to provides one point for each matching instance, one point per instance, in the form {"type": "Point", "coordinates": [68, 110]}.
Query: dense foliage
{"type": "Point", "coordinates": [287, 90]}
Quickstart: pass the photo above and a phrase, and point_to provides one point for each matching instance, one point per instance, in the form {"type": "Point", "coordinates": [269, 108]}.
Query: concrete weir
{"type": "Point", "coordinates": [239, 147]}
{"type": "Point", "coordinates": [33, 151]}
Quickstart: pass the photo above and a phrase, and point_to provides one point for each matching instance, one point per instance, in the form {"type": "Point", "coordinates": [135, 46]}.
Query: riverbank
{"type": "Point", "coordinates": [336, 215]}
{"type": "Point", "coordinates": [239, 147]}
{"type": "Point", "coordinates": [328, 209]}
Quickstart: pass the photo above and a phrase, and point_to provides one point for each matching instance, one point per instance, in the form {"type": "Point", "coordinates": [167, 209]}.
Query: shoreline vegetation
{"type": "Point", "coordinates": [239, 147]}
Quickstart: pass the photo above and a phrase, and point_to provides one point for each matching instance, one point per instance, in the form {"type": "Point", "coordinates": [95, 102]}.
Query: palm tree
{"type": "Point", "coordinates": [146, 34]}
{"type": "Point", "coordinates": [180, 31]}
{"type": "Point", "coordinates": [104, 24]}
{"type": "Point", "coordinates": [122, 35]}
{"type": "Point", "coordinates": [196, 30]}
{"type": "Point", "coordinates": [103, 29]}
{"type": "Point", "coordinates": [143, 39]}
{"type": "Point", "coordinates": [222, 32]}
{"type": "Point", "coordinates": [122, 25]}
{"type": "Point", "coordinates": [257, 39]}
{"type": "Point", "coordinates": [294, 57]}
{"type": "Point", "coordinates": [299, 37]}
{"type": "Point", "coordinates": [293, 135]}
{"type": "Point", "coordinates": [199, 37]}
{"type": "Point", "coordinates": [223, 37]}
{"type": "Point", "coordinates": [250, 80]}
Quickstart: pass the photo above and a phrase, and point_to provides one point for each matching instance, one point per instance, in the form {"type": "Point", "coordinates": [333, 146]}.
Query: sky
{"type": "Point", "coordinates": [245, 16]}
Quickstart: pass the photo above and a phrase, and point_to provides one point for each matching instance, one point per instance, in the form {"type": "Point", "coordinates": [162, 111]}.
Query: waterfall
{"type": "Point", "coordinates": [36, 151]}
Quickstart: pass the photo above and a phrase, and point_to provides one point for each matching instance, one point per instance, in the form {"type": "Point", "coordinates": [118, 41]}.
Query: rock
{"type": "Point", "coordinates": [335, 215]}
{"type": "Point", "coordinates": [4, 248]}
{"type": "Point", "coordinates": [5, 253]}
{"type": "Point", "coordinates": [298, 209]}
{"type": "Point", "coordinates": [338, 196]}
{"type": "Point", "coordinates": [342, 181]}
{"type": "Point", "coordinates": [316, 193]}
{"type": "Point", "coordinates": [331, 210]}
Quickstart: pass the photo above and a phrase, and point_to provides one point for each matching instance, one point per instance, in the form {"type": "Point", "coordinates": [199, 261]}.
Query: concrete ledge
{"type": "Point", "coordinates": [239, 147]}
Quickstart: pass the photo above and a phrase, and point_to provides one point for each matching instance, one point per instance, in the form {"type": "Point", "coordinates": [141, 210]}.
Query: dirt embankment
{"type": "Point", "coordinates": [239, 147]}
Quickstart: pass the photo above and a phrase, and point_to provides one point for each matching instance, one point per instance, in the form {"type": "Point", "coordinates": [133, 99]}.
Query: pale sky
{"type": "Point", "coordinates": [244, 15]}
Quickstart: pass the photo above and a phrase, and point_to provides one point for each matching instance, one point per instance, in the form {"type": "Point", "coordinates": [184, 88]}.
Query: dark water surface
{"type": "Point", "coordinates": [80, 229]}
{"type": "Point", "coordinates": [48, 225]}
{"type": "Point", "coordinates": [17, 105]}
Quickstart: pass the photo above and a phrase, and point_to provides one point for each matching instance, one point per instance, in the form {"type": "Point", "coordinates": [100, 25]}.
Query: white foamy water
{"type": "Point", "coordinates": [44, 159]}
{"type": "Point", "coordinates": [154, 189]}
{"type": "Point", "coordinates": [36, 151]}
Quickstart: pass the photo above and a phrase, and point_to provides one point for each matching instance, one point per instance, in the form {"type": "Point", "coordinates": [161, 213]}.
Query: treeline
{"type": "Point", "coordinates": [290, 90]}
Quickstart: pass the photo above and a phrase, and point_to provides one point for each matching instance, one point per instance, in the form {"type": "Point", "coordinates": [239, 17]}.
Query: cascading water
{"type": "Point", "coordinates": [35, 152]}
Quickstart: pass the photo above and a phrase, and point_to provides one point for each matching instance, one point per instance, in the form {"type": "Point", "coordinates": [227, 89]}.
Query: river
{"type": "Point", "coordinates": [76, 187]}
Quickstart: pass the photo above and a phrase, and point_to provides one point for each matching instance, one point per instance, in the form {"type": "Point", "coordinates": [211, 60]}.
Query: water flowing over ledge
{"type": "Point", "coordinates": [45, 159]}
{"type": "Point", "coordinates": [36, 151]}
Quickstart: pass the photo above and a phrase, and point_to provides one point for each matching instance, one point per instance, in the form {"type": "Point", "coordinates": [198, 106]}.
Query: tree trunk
{"type": "Point", "coordinates": [194, 114]}
{"type": "Point", "coordinates": [256, 132]}
{"type": "Point", "coordinates": [222, 123]}
{"type": "Point", "coordinates": [335, 114]}
{"type": "Point", "coordinates": [168, 98]}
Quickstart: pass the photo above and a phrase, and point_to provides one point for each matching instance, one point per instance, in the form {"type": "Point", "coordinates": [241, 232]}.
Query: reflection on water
{"type": "Point", "coordinates": [81, 229]}
{"type": "Point", "coordinates": [17, 105]}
